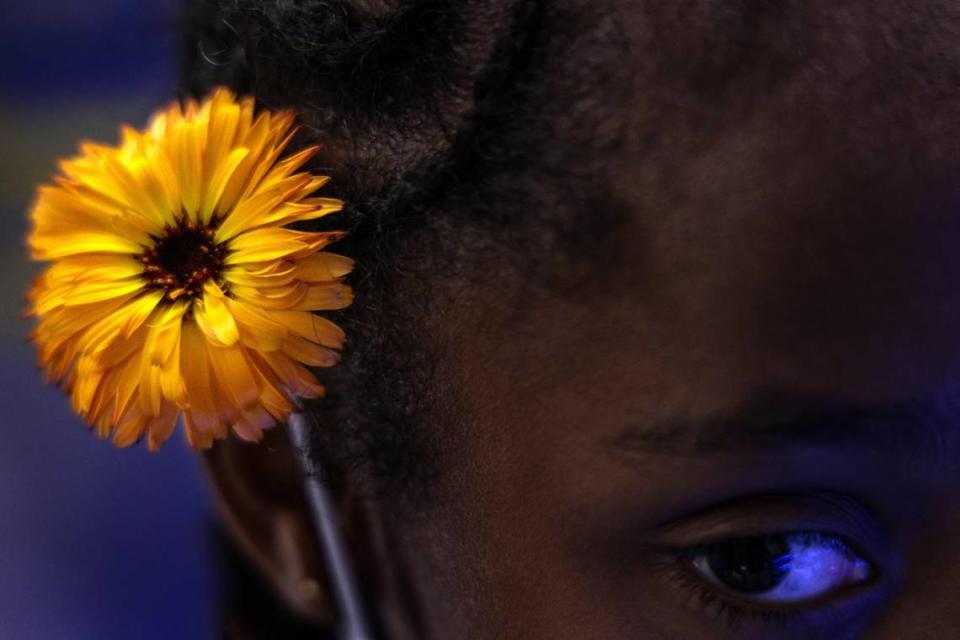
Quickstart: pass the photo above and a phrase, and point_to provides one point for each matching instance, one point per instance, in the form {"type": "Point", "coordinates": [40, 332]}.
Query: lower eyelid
{"type": "Point", "coordinates": [830, 513]}
{"type": "Point", "coordinates": [702, 599]}
{"type": "Point", "coordinates": [736, 614]}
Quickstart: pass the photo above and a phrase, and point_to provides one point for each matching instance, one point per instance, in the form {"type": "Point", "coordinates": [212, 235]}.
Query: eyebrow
{"type": "Point", "coordinates": [777, 420]}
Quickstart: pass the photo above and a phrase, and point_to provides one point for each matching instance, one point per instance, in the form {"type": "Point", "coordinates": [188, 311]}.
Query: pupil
{"type": "Point", "coordinates": [751, 565]}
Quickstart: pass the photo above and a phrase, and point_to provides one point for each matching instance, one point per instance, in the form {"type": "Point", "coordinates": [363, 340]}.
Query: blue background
{"type": "Point", "coordinates": [95, 542]}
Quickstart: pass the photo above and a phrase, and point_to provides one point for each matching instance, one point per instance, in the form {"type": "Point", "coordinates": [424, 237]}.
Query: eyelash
{"type": "Point", "coordinates": [714, 602]}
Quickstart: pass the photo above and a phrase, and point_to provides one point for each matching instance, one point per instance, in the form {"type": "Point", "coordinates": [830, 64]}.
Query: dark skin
{"type": "Point", "coordinates": [771, 348]}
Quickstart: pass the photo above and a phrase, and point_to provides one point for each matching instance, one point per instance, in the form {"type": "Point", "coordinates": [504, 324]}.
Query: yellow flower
{"type": "Point", "coordinates": [175, 286]}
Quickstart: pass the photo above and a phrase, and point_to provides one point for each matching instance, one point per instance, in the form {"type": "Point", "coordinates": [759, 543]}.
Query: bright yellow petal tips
{"type": "Point", "coordinates": [174, 287]}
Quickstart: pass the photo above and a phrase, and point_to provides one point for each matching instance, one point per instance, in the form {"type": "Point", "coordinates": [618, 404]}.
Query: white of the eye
{"type": "Point", "coordinates": [818, 565]}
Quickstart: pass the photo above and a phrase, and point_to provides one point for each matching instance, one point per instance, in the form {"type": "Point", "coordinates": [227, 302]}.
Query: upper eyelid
{"type": "Point", "coordinates": [875, 577]}
{"type": "Point", "coordinates": [828, 512]}
{"type": "Point", "coordinates": [847, 544]}
{"type": "Point", "coordinates": [846, 518]}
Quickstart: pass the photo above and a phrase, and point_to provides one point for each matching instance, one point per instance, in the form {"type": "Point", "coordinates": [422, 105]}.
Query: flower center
{"type": "Point", "coordinates": [183, 259]}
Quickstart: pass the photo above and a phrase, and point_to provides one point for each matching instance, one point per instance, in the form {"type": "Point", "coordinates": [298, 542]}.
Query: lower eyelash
{"type": "Point", "coordinates": [719, 606]}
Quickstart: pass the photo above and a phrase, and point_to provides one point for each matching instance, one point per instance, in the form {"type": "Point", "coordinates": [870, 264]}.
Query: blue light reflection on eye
{"type": "Point", "coordinates": [814, 565]}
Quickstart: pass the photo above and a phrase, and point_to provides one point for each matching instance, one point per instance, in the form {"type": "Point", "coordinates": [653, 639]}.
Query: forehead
{"type": "Point", "coordinates": [788, 175]}
{"type": "Point", "coordinates": [697, 67]}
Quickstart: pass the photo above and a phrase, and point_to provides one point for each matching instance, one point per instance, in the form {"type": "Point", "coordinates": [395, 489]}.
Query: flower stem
{"type": "Point", "coordinates": [353, 623]}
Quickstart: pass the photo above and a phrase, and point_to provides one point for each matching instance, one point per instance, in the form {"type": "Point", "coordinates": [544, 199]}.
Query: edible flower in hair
{"type": "Point", "coordinates": [175, 286]}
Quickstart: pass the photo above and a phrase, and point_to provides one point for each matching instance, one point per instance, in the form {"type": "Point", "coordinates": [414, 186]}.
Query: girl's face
{"type": "Point", "coordinates": [745, 425]}
{"type": "Point", "coordinates": [758, 439]}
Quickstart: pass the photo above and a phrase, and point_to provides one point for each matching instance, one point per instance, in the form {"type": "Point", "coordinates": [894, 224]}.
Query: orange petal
{"type": "Point", "coordinates": [310, 326]}
{"type": "Point", "coordinates": [201, 409]}
{"type": "Point", "coordinates": [287, 297]}
{"type": "Point", "coordinates": [265, 244]}
{"type": "Point", "coordinates": [257, 329]}
{"type": "Point", "coordinates": [252, 423]}
{"type": "Point", "coordinates": [214, 317]}
{"type": "Point", "coordinates": [275, 278]}
{"type": "Point", "coordinates": [326, 296]}
{"type": "Point", "coordinates": [309, 353]}
{"type": "Point", "coordinates": [218, 182]}
{"type": "Point", "coordinates": [159, 428]}
{"type": "Point", "coordinates": [53, 247]}
{"type": "Point", "coordinates": [233, 375]}
{"type": "Point", "coordinates": [323, 267]}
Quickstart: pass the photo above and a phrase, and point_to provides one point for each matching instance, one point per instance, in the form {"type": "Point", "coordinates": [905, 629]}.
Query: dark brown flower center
{"type": "Point", "coordinates": [183, 259]}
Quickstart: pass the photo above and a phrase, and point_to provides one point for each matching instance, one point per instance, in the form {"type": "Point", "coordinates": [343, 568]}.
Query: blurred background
{"type": "Point", "coordinates": [95, 542]}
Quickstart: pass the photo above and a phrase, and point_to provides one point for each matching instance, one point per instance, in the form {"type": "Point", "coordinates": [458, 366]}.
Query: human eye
{"type": "Point", "coordinates": [774, 577]}
{"type": "Point", "coordinates": [786, 568]}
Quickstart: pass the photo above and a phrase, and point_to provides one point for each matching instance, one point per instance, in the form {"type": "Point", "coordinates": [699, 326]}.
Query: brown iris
{"type": "Point", "coordinates": [182, 259]}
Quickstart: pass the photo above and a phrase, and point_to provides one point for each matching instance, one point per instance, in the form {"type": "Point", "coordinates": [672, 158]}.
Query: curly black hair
{"type": "Point", "coordinates": [431, 112]}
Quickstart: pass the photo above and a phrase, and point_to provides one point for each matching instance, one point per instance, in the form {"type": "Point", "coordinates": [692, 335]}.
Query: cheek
{"type": "Point", "coordinates": [516, 469]}
{"type": "Point", "coordinates": [925, 604]}
{"type": "Point", "coordinates": [531, 474]}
